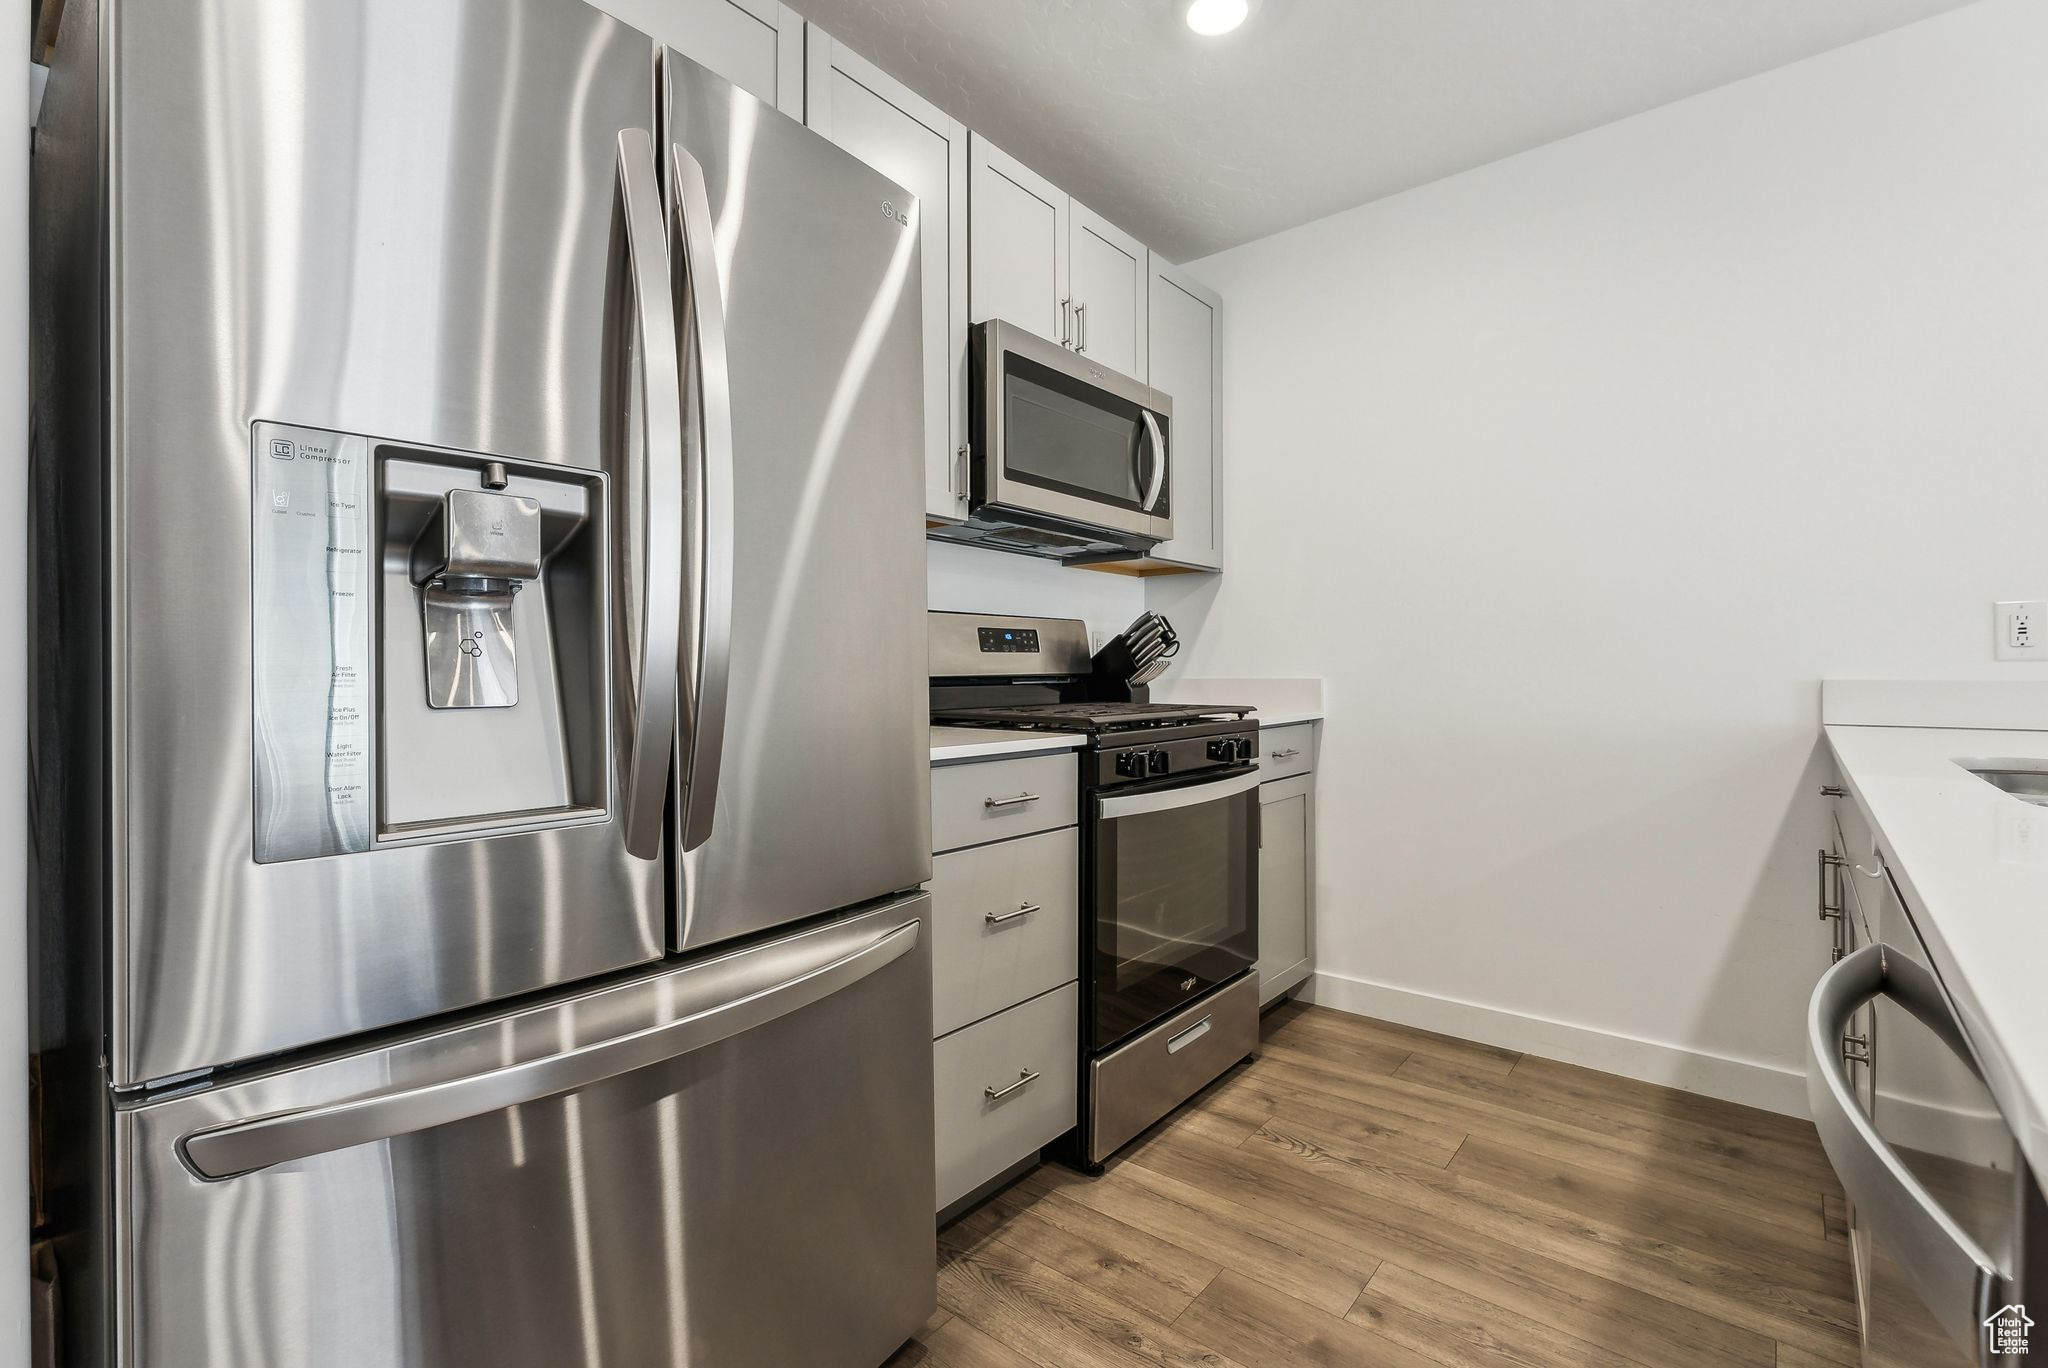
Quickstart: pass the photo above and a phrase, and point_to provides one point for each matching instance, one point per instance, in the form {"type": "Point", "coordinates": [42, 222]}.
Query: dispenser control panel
{"type": "Point", "coordinates": [314, 617]}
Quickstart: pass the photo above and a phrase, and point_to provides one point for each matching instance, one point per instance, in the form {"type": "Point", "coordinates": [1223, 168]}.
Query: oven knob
{"type": "Point", "coordinates": [1246, 748]}
{"type": "Point", "coordinates": [1224, 748]}
{"type": "Point", "coordinates": [1158, 761]}
{"type": "Point", "coordinates": [1131, 764]}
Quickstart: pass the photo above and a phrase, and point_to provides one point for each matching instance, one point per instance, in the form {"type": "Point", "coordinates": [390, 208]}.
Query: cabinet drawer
{"type": "Point", "coordinates": [979, 1135]}
{"type": "Point", "coordinates": [988, 951]}
{"type": "Point", "coordinates": [992, 800]}
{"type": "Point", "coordinates": [1287, 750]}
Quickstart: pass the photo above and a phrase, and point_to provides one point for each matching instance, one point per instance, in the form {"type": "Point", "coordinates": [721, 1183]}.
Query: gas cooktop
{"type": "Point", "coordinates": [1093, 718]}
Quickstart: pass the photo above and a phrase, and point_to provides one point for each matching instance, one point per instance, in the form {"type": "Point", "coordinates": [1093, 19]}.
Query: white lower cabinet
{"type": "Point", "coordinates": [1006, 956]}
{"type": "Point", "coordinates": [1287, 860]}
{"type": "Point", "coordinates": [1006, 925]}
{"type": "Point", "coordinates": [1004, 1087]}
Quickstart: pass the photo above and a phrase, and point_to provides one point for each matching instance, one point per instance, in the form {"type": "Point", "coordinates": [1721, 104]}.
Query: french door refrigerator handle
{"type": "Point", "coordinates": [243, 1147]}
{"type": "Point", "coordinates": [1211, 791]}
{"type": "Point", "coordinates": [703, 303]}
{"type": "Point", "coordinates": [1960, 1282]}
{"type": "Point", "coordinates": [1157, 483]}
{"type": "Point", "coordinates": [650, 671]}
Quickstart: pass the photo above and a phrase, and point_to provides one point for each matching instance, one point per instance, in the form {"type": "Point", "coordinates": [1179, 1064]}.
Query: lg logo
{"type": "Point", "coordinates": [890, 212]}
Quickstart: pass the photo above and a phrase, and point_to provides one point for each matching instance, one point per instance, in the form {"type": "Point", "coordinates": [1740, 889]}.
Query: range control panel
{"type": "Point", "coordinates": [1012, 640]}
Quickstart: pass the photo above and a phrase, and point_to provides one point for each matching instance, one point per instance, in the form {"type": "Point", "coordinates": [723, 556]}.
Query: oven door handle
{"type": "Point", "coordinates": [1214, 791]}
{"type": "Point", "coordinates": [1959, 1280]}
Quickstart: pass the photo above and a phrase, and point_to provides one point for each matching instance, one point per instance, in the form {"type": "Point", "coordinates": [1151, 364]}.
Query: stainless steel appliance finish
{"type": "Point", "coordinates": [992, 646]}
{"type": "Point", "coordinates": [659, 1171]}
{"type": "Point", "coordinates": [1148, 1076]}
{"type": "Point", "coordinates": [454, 300]}
{"type": "Point", "coordinates": [1069, 459]}
{"type": "Point", "coordinates": [822, 789]}
{"type": "Point", "coordinates": [462, 427]}
{"type": "Point", "coordinates": [1938, 1197]}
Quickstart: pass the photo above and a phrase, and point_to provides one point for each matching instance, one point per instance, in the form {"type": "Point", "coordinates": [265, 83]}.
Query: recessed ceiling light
{"type": "Point", "coordinates": [1211, 18]}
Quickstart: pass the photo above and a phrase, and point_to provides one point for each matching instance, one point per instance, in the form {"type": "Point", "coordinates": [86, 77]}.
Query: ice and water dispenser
{"type": "Point", "coordinates": [430, 643]}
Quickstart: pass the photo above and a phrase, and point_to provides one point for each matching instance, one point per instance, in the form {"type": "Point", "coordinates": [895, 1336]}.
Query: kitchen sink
{"type": "Point", "coordinates": [2026, 780]}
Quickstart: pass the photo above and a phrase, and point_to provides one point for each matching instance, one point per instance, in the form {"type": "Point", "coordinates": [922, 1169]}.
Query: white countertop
{"type": "Point", "coordinates": [1280, 702]}
{"type": "Point", "coordinates": [981, 743]}
{"type": "Point", "coordinates": [1972, 862]}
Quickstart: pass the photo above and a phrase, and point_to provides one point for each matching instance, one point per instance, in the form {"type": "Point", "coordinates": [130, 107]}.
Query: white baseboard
{"type": "Point", "coordinates": [1748, 1081]}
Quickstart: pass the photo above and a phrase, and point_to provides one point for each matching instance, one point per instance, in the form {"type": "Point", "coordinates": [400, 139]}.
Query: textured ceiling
{"type": "Point", "coordinates": [1314, 105]}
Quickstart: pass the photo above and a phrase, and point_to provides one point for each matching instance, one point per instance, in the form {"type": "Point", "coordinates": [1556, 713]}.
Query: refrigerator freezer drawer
{"type": "Point", "coordinates": [725, 1164]}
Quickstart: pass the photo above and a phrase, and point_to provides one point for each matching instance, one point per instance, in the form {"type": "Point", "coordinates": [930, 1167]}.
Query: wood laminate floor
{"type": "Point", "coordinates": [1367, 1194]}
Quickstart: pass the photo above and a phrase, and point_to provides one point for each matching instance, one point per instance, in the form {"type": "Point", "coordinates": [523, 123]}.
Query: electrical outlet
{"type": "Point", "coordinates": [2020, 630]}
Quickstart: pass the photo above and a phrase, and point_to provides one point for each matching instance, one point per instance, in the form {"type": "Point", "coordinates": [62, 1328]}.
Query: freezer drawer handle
{"type": "Point", "coordinates": [649, 642]}
{"type": "Point", "coordinates": [998, 918]}
{"type": "Point", "coordinates": [995, 1094]}
{"type": "Point", "coordinates": [1017, 801]}
{"type": "Point", "coordinates": [711, 516]}
{"type": "Point", "coordinates": [1954, 1276]}
{"type": "Point", "coordinates": [242, 1147]}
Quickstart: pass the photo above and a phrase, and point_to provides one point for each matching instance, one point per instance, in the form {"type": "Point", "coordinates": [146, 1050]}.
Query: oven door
{"type": "Point", "coordinates": [1176, 898]}
{"type": "Point", "coordinates": [1065, 437]}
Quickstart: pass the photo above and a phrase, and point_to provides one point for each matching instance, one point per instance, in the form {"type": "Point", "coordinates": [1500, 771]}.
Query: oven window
{"type": "Point", "coordinates": [1063, 434]}
{"type": "Point", "coordinates": [1176, 902]}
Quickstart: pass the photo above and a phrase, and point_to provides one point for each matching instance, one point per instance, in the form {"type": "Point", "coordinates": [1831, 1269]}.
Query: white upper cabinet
{"type": "Point", "coordinates": [1183, 320]}
{"type": "Point", "coordinates": [1051, 265]}
{"type": "Point", "coordinates": [1018, 245]}
{"type": "Point", "coordinates": [758, 45]}
{"type": "Point", "coordinates": [1108, 282]}
{"type": "Point", "coordinates": [908, 139]}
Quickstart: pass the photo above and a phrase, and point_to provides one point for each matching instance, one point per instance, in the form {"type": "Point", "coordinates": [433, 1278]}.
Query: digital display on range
{"type": "Point", "coordinates": [1009, 639]}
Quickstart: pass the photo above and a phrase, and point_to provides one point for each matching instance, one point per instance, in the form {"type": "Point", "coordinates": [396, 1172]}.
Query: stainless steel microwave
{"type": "Point", "coordinates": [1068, 458]}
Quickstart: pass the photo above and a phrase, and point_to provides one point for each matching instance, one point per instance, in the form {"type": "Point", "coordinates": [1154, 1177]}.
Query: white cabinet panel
{"type": "Point", "coordinates": [1286, 884]}
{"type": "Point", "coordinates": [910, 140]}
{"type": "Point", "coordinates": [1111, 272]}
{"type": "Point", "coordinates": [1006, 925]}
{"type": "Point", "coordinates": [1183, 321]}
{"type": "Point", "coordinates": [1017, 243]}
{"type": "Point", "coordinates": [1003, 1088]}
{"type": "Point", "coordinates": [758, 45]}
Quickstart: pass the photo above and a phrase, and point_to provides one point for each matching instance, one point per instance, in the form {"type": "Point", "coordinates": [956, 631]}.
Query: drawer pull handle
{"type": "Point", "coordinates": [995, 1094]}
{"type": "Point", "coordinates": [1017, 801]}
{"type": "Point", "coordinates": [1188, 1037]}
{"type": "Point", "coordinates": [1287, 754]}
{"type": "Point", "coordinates": [998, 918]}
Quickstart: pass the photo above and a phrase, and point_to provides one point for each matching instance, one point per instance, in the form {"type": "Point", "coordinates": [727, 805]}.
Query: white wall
{"type": "Point", "coordinates": [1574, 474]}
{"type": "Point", "coordinates": [970, 579]}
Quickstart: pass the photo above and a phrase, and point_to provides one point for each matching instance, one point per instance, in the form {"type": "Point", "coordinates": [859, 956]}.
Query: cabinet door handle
{"type": "Point", "coordinates": [1017, 801]}
{"type": "Point", "coordinates": [1287, 754]}
{"type": "Point", "coordinates": [1066, 322]}
{"type": "Point", "coordinates": [1830, 909]}
{"type": "Point", "coordinates": [961, 456]}
{"type": "Point", "coordinates": [995, 1094]}
{"type": "Point", "coordinates": [998, 918]}
{"type": "Point", "coordinates": [1080, 327]}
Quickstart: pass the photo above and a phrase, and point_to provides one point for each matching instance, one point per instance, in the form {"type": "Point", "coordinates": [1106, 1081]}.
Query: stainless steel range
{"type": "Point", "coordinates": [1170, 841]}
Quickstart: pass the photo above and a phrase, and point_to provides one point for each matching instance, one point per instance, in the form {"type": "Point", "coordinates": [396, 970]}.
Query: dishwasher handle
{"type": "Point", "coordinates": [1958, 1280]}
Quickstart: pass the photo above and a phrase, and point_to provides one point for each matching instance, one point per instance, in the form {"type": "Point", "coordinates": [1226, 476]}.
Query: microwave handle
{"type": "Point", "coordinates": [1157, 484]}
{"type": "Point", "coordinates": [1958, 1280]}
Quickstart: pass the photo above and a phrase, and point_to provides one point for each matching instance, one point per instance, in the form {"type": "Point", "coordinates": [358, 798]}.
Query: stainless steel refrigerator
{"type": "Point", "coordinates": [480, 756]}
